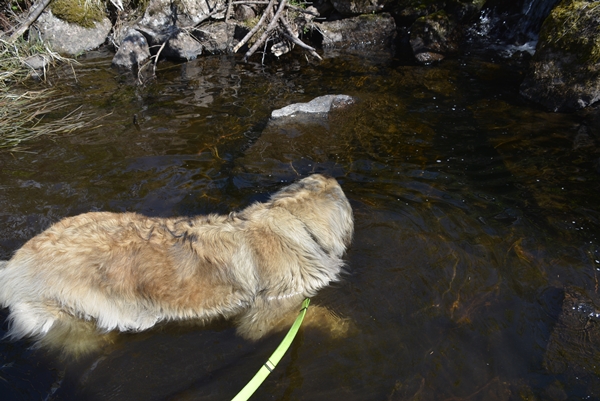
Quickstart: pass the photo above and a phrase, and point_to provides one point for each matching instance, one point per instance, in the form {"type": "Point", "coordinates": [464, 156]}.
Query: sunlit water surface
{"type": "Point", "coordinates": [475, 213]}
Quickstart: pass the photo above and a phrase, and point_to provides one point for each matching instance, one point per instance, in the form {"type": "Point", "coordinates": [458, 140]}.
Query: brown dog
{"type": "Point", "coordinates": [129, 272]}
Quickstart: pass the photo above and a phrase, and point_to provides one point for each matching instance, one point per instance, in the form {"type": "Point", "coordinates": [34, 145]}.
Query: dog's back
{"type": "Point", "coordinates": [126, 272]}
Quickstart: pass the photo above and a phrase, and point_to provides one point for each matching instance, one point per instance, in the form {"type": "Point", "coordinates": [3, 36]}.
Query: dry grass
{"type": "Point", "coordinates": [22, 111]}
{"type": "Point", "coordinates": [21, 117]}
{"type": "Point", "coordinates": [14, 70]}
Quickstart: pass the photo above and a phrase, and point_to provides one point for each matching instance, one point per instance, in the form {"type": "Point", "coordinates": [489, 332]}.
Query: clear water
{"type": "Point", "coordinates": [474, 212]}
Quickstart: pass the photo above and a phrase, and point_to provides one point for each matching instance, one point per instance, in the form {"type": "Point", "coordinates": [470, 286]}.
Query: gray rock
{"type": "Point", "coordinates": [374, 32]}
{"type": "Point", "coordinates": [355, 7]}
{"type": "Point", "coordinates": [173, 43]}
{"type": "Point", "coordinates": [244, 12]}
{"type": "Point", "coordinates": [36, 62]}
{"type": "Point", "coordinates": [71, 39]}
{"type": "Point", "coordinates": [319, 105]}
{"type": "Point", "coordinates": [216, 38]}
{"type": "Point", "coordinates": [182, 46]}
{"type": "Point", "coordinates": [172, 24]}
{"type": "Point", "coordinates": [133, 51]}
{"type": "Point", "coordinates": [161, 14]}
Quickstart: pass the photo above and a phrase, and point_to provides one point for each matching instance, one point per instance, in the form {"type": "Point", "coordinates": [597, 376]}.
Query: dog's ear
{"type": "Point", "coordinates": [321, 205]}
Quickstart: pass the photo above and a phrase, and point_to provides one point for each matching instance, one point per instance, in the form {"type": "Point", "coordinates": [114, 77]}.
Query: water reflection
{"type": "Point", "coordinates": [474, 212]}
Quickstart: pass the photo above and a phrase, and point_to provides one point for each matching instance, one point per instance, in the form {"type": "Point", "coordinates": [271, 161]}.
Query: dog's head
{"type": "Point", "coordinates": [321, 205]}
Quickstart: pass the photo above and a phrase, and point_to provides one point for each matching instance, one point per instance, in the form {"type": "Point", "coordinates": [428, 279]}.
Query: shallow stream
{"type": "Point", "coordinates": [475, 213]}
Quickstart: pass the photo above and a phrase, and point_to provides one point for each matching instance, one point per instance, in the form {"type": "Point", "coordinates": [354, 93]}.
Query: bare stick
{"type": "Point", "coordinates": [158, 54]}
{"type": "Point", "coordinates": [290, 35]}
{"type": "Point", "coordinates": [303, 10]}
{"type": "Point", "coordinates": [267, 32]}
{"type": "Point", "coordinates": [299, 9]}
{"type": "Point", "coordinates": [256, 28]}
{"type": "Point", "coordinates": [228, 12]}
{"type": "Point", "coordinates": [34, 13]}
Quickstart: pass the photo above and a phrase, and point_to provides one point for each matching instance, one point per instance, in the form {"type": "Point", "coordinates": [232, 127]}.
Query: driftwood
{"type": "Point", "coordinates": [278, 26]}
{"type": "Point", "coordinates": [34, 13]}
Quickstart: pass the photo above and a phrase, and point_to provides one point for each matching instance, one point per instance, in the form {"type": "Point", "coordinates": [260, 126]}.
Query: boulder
{"type": "Point", "coordinates": [374, 32]}
{"type": "Point", "coordinates": [133, 51]}
{"type": "Point", "coordinates": [244, 12]}
{"type": "Point", "coordinates": [356, 7]}
{"type": "Point", "coordinates": [161, 14]}
{"type": "Point", "coordinates": [407, 11]}
{"type": "Point", "coordinates": [182, 46]}
{"type": "Point", "coordinates": [433, 36]}
{"type": "Point", "coordinates": [217, 37]}
{"type": "Point", "coordinates": [171, 27]}
{"type": "Point", "coordinates": [71, 39]}
{"type": "Point", "coordinates": [564, 73]}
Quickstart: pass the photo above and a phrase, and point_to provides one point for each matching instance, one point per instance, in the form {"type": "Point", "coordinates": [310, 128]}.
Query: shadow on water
{"type": "Point", "coordinates": [476, 224]}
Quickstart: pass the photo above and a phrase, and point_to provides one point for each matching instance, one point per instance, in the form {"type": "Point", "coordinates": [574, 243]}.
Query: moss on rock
{"type": "Point", "coordinates": [564, 73]}
{"type": "Point", "coordinates": [80, 12]}
{"type": "Point", "coordinates": [573, 26]}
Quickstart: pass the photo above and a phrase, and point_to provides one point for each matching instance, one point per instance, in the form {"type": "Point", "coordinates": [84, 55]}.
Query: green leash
{"type": "Point", "coordinates": [268, 367]}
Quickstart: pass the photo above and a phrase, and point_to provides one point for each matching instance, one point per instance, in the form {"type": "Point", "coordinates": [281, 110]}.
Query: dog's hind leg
{"type": "Point", "coordinates": [28, 319]}
{"type": "Point", "coordinates": [73, 338]}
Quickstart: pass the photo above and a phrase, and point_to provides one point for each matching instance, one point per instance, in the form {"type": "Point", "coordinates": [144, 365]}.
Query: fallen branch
{"type": "Point", "coordinates": [255, 29]}
{"type": "Point", "coordinates": [157, 55]}
{"type": "Point", "coordinates": [34, 13]}
{"type": "Point", "coordinates": [295, 8]}
{"type": "Point", "coordinates": [278, 23]}
{"type": "Point", "coordinates": [290, 36]}
{"type": "Point", "coordinates": [228, 12]}
{"type": "Point", "coordinates": [267, 31]}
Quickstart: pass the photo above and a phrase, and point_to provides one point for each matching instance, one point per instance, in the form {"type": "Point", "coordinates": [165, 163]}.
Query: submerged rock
{"type": "Point", "coordinates": [71, 39]}
{"type": "Point", "coordinates": [564, 74]}
{"type": "Point", "coordinates": [575, 341]}
{"type": "Point", "coordinates": [319, 105]}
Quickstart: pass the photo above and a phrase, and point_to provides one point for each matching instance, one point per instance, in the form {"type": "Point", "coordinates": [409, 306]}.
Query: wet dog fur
{"type": "Point", "coordinates": [128, 272]}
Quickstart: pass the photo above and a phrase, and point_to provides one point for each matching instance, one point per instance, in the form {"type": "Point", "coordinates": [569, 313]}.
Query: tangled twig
{"type": "Point", "coordinates": [278, 25]}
